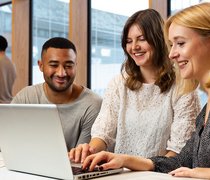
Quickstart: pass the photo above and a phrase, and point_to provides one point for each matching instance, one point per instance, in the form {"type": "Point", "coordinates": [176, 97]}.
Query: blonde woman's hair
{"type": "Point", "coordinates": [208, 81]}
{"type": "Point", "coordinates": [196, 17]}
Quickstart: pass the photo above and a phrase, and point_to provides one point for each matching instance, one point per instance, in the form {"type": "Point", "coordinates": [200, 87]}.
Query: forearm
{"type": "Point", "coordinates": [97, 145]}
{"type": "Point", "coordinates": [137, 163]}
{"type": "Point", "coordinates": [170, 154]}
{"type": "Point", "coordinates": [201, 173]}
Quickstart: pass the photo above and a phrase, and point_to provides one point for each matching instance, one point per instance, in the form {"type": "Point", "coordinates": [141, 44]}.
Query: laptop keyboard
{"type": "Point", "coordinates": [79, 170]}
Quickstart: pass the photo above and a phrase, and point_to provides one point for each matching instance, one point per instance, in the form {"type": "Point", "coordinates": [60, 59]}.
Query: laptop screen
{"type": "Point", "coordinates": [32, 141]}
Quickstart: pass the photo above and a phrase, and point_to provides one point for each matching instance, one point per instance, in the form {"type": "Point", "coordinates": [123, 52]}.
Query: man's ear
{"type": "Point", "coordinates": [40, 63]}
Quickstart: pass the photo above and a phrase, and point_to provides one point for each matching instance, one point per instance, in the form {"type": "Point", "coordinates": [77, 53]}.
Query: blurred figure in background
{"type": "Point", "coordinates": [7, 73]}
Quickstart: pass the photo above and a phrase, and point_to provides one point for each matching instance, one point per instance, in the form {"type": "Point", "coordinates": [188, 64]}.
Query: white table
{"type": "Point", "coordinates": [5, 174]}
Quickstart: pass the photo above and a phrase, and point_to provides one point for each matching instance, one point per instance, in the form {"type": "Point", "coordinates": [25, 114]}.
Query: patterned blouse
{"type": "Point", "coordinates": [196, 152]}
{"type": "Point", "coordinates": [145, 122]}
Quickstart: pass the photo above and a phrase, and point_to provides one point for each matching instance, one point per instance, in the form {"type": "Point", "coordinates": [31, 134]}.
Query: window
{"type": "Point", "coordinates": [6, 24]}
{"type": "Point", "coordinates": [50, 19]}
{"type": "Point", "coordinates": [176, 5]}
{"type": "Point", "coordinates": [107, 21]}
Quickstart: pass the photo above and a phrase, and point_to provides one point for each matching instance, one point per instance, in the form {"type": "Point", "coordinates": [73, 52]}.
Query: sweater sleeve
{"type": "Point", "coordinates": [184, 159]}
{"type": "Point", "coordinates": [105, 125]}
{"type": "Point", "coordinates": [186, 109]}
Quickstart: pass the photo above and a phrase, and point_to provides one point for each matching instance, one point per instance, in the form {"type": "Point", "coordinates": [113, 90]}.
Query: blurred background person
{"type": "Point", "coordinates": [7, 73]}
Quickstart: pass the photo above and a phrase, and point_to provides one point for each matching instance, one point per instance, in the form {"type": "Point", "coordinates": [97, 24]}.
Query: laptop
{"type": "Point", "coordinates": [32, 141]}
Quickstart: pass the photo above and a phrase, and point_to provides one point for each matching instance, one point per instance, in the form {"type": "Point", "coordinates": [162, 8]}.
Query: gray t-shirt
{"type": "Point", "coordinates": [77, 117]}
{"type": "Point", "coordinates": [7, 79]}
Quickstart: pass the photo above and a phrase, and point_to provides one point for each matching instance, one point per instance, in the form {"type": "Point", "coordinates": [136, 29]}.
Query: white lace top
{"type": "Point", "coordinates": [145, 122]}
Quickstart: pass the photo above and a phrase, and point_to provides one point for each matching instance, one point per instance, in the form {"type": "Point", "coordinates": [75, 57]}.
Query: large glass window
{"type": "Point", "coordinates": [6, 23]}
{"type": "Point", "coordinates": [107, 20]}
{"type": "Point", "coordinates": [176, 5]}
{"type": "Point", "coordinates": [50, 19]}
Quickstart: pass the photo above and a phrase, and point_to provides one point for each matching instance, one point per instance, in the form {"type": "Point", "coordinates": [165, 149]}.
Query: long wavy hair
{"type": "Point", "coordinates": [151, 25]}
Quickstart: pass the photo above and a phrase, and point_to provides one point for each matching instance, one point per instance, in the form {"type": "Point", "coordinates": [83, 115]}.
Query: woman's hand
{"type": "Point", "coordinates": [105, 160]}
{"type": "Point", "coordinates": [193, 173]}
{"type": "Point", "coordinates": [79, 153]}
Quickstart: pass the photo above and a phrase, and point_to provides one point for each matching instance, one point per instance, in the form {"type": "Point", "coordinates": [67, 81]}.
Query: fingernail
{"type": "Point", "coordinates": [100, 168]}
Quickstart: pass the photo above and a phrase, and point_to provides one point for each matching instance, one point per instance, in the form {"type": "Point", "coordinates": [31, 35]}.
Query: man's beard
{"type": "Point", "coordinates": [59, 89]}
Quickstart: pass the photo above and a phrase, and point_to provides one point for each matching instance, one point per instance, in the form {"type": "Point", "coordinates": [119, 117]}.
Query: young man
{"type": "Point", "coordinates": [7, 73]}
{"type": "Point", "coordinates": [78, 106]}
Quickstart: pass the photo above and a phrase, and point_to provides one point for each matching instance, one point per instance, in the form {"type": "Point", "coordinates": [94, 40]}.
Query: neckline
{"type": "Point", "coordinates": [70, 102]}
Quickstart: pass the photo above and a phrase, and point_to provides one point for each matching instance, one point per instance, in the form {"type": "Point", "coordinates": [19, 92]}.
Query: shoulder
{"type": "Point", "coordinates": [32, 88]}
{"type": "Point", "coordinates": [6, 62]}
{"type": "Point", "coordinates": [28, 94]}
{"type": "Point", "coordinates": [190, 97]}
{"type": "Point", "coordinates": [117, 82]}
{"type": "Point", "coordinates": [201, 115]}
{"type": "Point", "coordinates": [118, 79]}
{"type": "Point", "coordinates": [89, 94]}
{"type": "Point", "coordinates": [89, 100]}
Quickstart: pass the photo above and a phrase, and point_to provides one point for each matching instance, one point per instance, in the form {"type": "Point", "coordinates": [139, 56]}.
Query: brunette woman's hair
{"type": "Point", "coordinates": [151, 24]}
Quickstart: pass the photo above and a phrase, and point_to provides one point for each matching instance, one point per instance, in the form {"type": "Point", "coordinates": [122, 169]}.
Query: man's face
{"type": "Point", "coordinates": [59, 68]}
